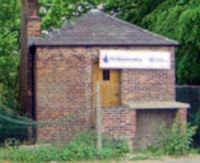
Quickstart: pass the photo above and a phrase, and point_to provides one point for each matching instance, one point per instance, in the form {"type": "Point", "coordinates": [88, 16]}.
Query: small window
{"type": "Point", "coordinates": [106, 75]}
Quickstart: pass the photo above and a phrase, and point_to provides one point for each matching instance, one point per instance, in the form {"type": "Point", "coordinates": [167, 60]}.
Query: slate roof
{"type": "Point", "coordinates": [96, 28]}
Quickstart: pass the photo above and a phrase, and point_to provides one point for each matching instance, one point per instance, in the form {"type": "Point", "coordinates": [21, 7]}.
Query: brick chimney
{"type": "Point", "coordinates": [33, 24]}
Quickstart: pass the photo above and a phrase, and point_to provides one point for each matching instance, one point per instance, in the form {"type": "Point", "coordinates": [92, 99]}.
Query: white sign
{"type": "Point", "coordinates": [119, 59]}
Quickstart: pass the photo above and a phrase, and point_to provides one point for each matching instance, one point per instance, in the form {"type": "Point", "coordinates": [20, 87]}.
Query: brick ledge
{"type": "Point", "coordinates": [158, 105]}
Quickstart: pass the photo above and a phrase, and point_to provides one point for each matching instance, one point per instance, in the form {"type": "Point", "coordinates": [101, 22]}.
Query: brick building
{"type": "Point", "coordinates": [64, 67]}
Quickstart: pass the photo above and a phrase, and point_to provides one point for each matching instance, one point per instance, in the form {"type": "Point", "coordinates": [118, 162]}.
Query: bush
{"type": "Point", "coordinates": [177, 139]}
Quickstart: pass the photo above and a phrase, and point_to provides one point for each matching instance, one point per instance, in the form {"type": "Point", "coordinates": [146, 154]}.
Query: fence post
{"type": "Point", "coordinates": [98, 119]}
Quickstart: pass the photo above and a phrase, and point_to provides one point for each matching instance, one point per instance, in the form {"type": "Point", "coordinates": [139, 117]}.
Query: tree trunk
{"type": "Point", "coordinates": [23, 67]}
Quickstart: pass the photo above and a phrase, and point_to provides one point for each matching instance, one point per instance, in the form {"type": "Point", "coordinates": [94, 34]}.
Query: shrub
{"type": "Point", "coordinates": [177, 139]}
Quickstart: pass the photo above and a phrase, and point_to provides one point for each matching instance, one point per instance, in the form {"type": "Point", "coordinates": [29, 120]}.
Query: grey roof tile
{"type": "Point", "coordinates": [97, 28]}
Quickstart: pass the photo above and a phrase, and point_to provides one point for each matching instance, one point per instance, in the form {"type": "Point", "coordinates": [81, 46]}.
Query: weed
{"type": "Point", "coordinates": [174, 140]}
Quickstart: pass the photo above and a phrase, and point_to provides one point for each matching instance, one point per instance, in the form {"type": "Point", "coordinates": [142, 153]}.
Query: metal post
{"type": "Point", "coordinates": [98, 119]}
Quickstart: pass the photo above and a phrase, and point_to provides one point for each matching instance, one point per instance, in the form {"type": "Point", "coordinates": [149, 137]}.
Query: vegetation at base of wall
{"type": "Point", "coordinates": [82, 147]}
{"type": "Point", "coordinates": [175, 140]}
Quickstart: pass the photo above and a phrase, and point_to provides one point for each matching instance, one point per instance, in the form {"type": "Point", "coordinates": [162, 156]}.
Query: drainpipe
{"type": "Point", "coordinates": [32, 51]}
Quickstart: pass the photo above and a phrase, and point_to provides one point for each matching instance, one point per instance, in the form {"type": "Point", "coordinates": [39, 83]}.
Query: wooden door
{"type": "Point", "coordinates": [109, 86]}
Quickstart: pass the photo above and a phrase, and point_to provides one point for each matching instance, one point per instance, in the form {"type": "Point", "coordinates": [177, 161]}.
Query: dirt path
{"type": "Point", "coordinates": [175, 160]}
{"type": "Point", "coordinates": [188, 159]}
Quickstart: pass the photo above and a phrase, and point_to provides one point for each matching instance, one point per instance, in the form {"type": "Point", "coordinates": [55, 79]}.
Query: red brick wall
{"type": "Point", "coordinates": [119, 122]}
{"type": "Point", "coordinates": [33, 26]}
{"type": "Point", "coordinates": [182, 112]}
{"type": "Point", "coordinates": [63, 86]}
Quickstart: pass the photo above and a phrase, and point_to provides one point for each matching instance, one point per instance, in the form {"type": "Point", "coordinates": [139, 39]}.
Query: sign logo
{"type": "Point", "coordinates": [105, 59]}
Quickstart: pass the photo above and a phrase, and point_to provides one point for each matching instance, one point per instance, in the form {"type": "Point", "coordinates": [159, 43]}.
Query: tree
{"type": "Point", "coordinates": [56, 12]}
{"type": "Point", "coordinates": [9, 54]}
{"type": "Point", "coordinates": [180, 20]}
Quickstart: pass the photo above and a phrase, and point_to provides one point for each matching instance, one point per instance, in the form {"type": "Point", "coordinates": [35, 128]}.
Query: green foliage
{"type": "Point", "coordinates": [139, 9]}
{"type": "Point", "coordinates": [56, 12]}
{"type": "Point", "coordinates": [82, 147]}
{"type": "Point", "coordinates": [9, 53]}
{"type": "Point", "coordinates": [175, 140]}
{"type": "Point", "coordinates": [180, 20]}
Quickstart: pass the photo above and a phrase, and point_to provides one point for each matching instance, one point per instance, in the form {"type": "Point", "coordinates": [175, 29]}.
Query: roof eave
{"type": "Point", "coordinates": [106, 45]}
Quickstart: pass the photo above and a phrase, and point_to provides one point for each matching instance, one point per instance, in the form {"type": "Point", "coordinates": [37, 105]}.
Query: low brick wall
{"type": "Point", "coordinates": [119, 122]}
